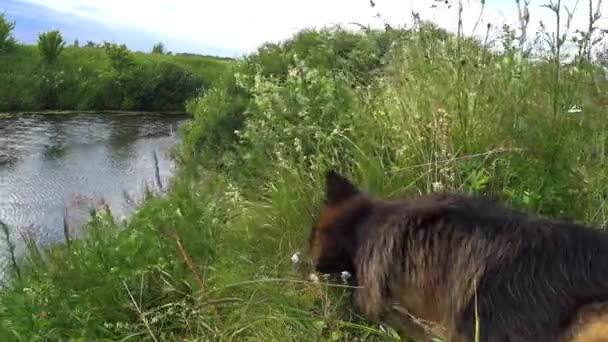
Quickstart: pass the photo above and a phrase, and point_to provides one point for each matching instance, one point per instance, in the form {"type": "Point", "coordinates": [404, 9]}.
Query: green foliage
{"type": "Point", "coordinates": [89, 79]}
{"type": "Point", "coordinates": [158, 48]}
{"type": "Point", "coordinates": [91, 44]}
{"type": "Point", "coordinates": [120, 57]}
{"type": "Point", "coordinates": [50, 45]}
{"type": "Point", "coordinates": [397, 110]}
{"type": "Point", "coordinates": [50, 86]}
{"type": "Point", "coordinates": [169, 83]}
{"type": "Point", "coordinates": [433, 112]}
{"type": "Point", "coordinates": [7, 41]}
{"type": "Point", "coordinates": [144, 259]}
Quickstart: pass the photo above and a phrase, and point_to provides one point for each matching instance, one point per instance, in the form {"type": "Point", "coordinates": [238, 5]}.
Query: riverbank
{"type": "Point", "coordinates": [87, 79]}
{"type": "Point", "coordinates": [397, 111]}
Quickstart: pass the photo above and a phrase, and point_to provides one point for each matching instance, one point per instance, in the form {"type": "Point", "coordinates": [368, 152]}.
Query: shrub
{"type": "Point", "coordinates": [50, 45]}
{"type": "Point", "coordinates": [120, 57]}
{"type": "Point", "coordinates": [158, 48]}
{"type": "Point", "coordinates": [168, 86]}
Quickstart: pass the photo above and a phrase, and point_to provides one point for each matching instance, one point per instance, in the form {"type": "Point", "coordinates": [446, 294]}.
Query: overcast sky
{"type": "Point", "coordinates": [235, 27]}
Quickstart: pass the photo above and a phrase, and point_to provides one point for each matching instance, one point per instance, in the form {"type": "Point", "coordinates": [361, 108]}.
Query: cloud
{"type": "Point", "coordinates": [242, 25]}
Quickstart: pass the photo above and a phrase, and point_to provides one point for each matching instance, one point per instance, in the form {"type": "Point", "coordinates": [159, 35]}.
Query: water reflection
{"type": "Point", "coordinates": [48, 162]}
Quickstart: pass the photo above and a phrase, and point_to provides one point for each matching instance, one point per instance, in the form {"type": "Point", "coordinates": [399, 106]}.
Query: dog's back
{"type": "Point", "coordinates": [537, 272]}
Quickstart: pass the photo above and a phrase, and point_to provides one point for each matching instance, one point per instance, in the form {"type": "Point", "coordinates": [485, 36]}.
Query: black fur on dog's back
{"type": "Point", "coordinates": [534, 294]}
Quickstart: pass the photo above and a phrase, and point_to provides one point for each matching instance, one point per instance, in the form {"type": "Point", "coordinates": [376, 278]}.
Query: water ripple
{"type": "Point", "coordinates": [50, 162]}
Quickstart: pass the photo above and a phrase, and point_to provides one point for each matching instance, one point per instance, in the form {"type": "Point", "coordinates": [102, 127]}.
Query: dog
{"type": "Point", "coordinates": [464, 268]}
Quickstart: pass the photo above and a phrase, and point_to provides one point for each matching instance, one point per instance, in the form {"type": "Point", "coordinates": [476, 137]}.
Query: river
{"type": "Point", "coordinates": [52, 162]}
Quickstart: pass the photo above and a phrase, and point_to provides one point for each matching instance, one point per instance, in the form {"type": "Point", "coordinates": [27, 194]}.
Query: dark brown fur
{"type": "Point", "coordinates": [435, 259]}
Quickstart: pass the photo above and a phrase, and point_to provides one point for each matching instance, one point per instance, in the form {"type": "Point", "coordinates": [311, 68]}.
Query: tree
{"type": "Point", "coordinates": [158, 48]}
{"type": "Point", "coordinates": [76, 43]}
{"type": "Point", "coordinates": [51, 45]}
{"type": "Point", "coordinates": [7, 41]}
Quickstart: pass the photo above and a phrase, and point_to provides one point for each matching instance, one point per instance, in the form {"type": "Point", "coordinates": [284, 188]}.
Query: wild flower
{"type": "Point", "coordinates": [574, 109]}
{"type": "Point", "coordinates": [438, 186]}
{"type": "Point", "coordinates": [313, 277]}
{"type": "Point", "coordinates": [297, 143]}
{"type": "Point", "coordinates": [295, 258]}
{"type": "Point", "coordinates": [345, 275]}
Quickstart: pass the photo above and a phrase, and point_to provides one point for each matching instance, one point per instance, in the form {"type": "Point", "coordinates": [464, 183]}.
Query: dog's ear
{"type": "Point", "coordinates": [338, 188]}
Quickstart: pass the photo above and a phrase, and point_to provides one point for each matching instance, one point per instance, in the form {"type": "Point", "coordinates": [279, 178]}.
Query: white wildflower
{"type": "Point", "coordinates": [295, 258]}
{"type": "Point", "coordinates": [437, 186]}
{"type": "Point", "coordinates": [297, 144]}
{"type": "Point", "coordinates": [345, 275]}
{"type": "Point", "coordinates": [313, 277]}
{"type": "Point", "coordinates": [293, 72]}
{"type": "Point", "coordinates": [574, 109]}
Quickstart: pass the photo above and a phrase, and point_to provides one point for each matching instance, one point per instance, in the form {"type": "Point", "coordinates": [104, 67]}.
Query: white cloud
{"type": "Point", "coordinates": [242, 25]}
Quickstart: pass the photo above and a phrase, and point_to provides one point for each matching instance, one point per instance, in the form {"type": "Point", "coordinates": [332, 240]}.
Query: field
{"type": "Point", "coordinates": [399, 111]}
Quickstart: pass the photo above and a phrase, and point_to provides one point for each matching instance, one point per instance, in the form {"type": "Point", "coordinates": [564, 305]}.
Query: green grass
{"type": "Point", "coordinates": [431, 111]}
{"type": "Point", "coordinates": [83, 79]}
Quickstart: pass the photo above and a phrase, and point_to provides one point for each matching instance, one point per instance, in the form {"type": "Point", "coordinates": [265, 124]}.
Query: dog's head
{"type": "Point", "coordinates": [334, 237]}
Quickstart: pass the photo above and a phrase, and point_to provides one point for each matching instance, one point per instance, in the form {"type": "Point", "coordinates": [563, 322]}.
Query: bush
{"type": "Point", "coordinates": [120, 57]}
{"type": "Point", "coordinates": [158, 48]}
{"type": "Point", "coordinates": [168, 86]}
{"type": "Point", "coordinates": [50, 45]}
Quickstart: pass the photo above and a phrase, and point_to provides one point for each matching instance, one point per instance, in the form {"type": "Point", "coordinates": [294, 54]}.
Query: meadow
{"type": "Point", "coordinates": [100, 76]}
{"type": "Point", "coordinates": [397, 110]}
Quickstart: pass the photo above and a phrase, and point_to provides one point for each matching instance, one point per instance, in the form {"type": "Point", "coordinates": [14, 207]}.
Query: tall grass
{"type": "Point", "coordinates": [397, 110]}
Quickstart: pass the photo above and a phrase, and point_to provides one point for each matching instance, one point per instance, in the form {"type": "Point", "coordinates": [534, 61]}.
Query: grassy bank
{"type": "Point", "coordinates": [398, 111]}
{"type": "Point", "coordinates": [85, 78]}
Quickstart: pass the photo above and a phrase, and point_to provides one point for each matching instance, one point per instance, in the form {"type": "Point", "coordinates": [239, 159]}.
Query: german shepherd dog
{"type": "Point", "coordinates": [464, 268]}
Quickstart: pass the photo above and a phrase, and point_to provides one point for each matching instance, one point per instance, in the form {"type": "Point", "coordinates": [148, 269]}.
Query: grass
{"type": "Point", "coordinates": [397, 110]}
{"type": "Point", "coordinates": [82, 78]}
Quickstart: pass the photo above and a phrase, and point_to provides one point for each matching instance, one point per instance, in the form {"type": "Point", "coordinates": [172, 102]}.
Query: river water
{"type": "Point", "coordinates": [52, 162]}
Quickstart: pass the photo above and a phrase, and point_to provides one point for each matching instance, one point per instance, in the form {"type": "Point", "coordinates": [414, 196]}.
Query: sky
{"type": "Point", "coordinates": [233, 28]}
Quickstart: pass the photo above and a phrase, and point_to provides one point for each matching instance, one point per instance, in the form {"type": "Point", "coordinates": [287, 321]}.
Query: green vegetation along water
{"type": "Point", "coordinates": [396, 110]}
{"type": "Point", "coordinates": [97, 76]}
